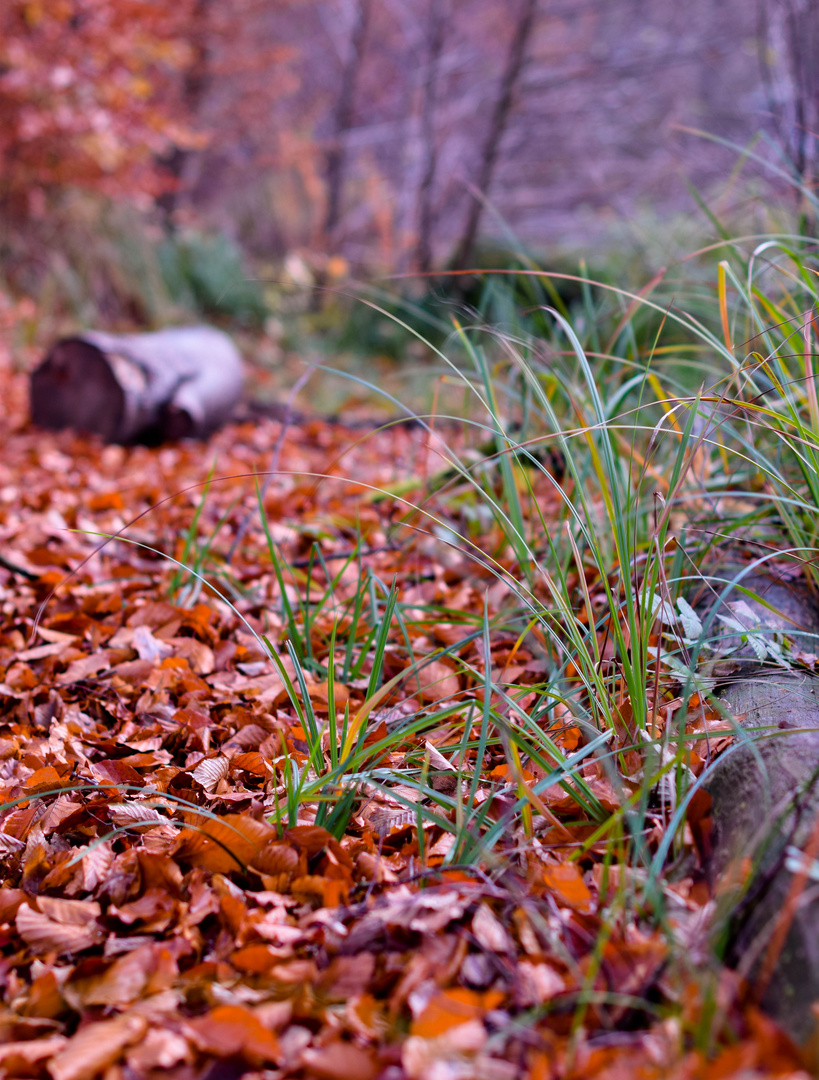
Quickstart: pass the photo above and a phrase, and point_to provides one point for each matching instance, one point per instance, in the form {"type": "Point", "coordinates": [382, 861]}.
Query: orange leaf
{"type": "Point", "coordinates": [566, 882]}
{"type": "Point", "coordinates": [109, 500]}
{"type": "Point", "coordinates": [254, 959]}
{"type": "Point", "coordinates": [229, 1030]}
{"type": "Point", "coordinates": [341, 1061]}
{"type": "Point", "coordinates": [448, 1008]}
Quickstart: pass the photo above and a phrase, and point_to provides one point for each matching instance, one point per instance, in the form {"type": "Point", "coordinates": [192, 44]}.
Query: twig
{"type": "Point", "coordinates": [287, 419]}
{"type": "Point", "coordinates": [349, 553]}
{"type": "Point", "coordinates": [15, 569]}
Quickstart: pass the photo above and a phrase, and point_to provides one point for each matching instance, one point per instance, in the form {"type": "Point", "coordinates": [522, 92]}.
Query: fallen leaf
{"type": "Point", "coordinates": [566, 882]}
{"type": "Point", "coordinates": [64, 926]}
{"type": "Point", "coordinates": [489, 931]}
{"type": "Point", "coordinates": [340, 1061]}
{"type": "Point", "coordinates": [229, 1030]}
{"type": "Point", "coordinates": [95, 1047]}
{"type": "Point", "coordinates": [211, 772]}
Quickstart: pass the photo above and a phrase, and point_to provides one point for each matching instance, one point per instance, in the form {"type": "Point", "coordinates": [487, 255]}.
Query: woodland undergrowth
{"type": "Point", "coordinates": [408, 782]}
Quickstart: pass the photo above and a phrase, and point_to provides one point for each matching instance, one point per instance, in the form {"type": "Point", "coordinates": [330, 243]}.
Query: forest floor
{"type": "Point", "coordinates": [184, 897]}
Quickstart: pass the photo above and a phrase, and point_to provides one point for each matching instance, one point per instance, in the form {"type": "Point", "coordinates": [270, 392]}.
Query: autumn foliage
{"type": "Point", "coordinates": [90, 95]}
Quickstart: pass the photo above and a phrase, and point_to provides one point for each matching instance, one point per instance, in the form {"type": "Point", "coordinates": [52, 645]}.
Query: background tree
{"type": "Point", "coordinates": [789, 50]}
{"type": "Point", "coordinates": [90, 95]}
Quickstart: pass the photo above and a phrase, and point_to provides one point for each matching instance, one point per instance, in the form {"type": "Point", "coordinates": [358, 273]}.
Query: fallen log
{"type": "Point", "coordinates": [766, 802]}
{"type": "Point", "coordinates": [178, 383]}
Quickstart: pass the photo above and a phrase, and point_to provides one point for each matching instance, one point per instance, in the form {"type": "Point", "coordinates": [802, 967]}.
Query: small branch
{"type": "Point", "coordinates": [13, 568]}
{"type": "Point", "coordinates": [347, 554]}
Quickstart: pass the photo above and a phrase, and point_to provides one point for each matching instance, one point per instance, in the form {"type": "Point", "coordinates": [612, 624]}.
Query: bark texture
{"type": "Point", "coordinates": [766, 800]}
{"type": "Point", "coordinates": [178, 383]}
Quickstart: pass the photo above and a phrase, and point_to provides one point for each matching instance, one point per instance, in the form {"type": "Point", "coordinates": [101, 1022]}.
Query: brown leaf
{"type": "Point", "coordinates": [116, 772]}
{"type": "Point", "coordinates": [154, 910]}
{"type": "Point", "coordinates": [46, 779]}
{"type": "Point", "coordinates": [448, 1008]}
{"type": "Point", "coordinates": [229, 1030]}
{"type": "Point", "coordinates": [538, 983]}
{"type": "Point", "coordinates": [490, 933]}
{"type": "Point", "coordinates": [211, 772]}
{"type": "Point", "coordinates": [252, 762]}
{"type": "Point", "coordinates": [199, 656]}
{"type": "Point", "coordinates": [16, 1056]}
{"type": "Point", "coordinates": [131, 813]}
{"type": "Point", "coordinates": [340, 1061]}
{"type": "Point", "coordinates": [84, 668]}
{"type": "Point", "coordinates": [159, 1049]}
{"type": "Point", "coordinates": [435, 681]}
{"type": "Point", "coordinates": [149, 647]}
{"type": "Point", "coordinates": [121, 984]}
{"type": "Point", "coordinates": [347, 976]}
{"type": "Point", "coordinates": [64, 926]}
{"type": "Point", "coordinates": [566, 882]}
{"type": "Point", "coordinates": [277, 857]}
{"type": "Point", "coordinates": [254, 959]}
{"type": "Point", "coordinates": [226, 845]}
{"type": "Point", "coordinates": [95, 1047]}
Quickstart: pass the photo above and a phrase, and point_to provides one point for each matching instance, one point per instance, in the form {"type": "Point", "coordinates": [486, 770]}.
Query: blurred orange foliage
{"type": "Point", "coordinates": [90, 95]}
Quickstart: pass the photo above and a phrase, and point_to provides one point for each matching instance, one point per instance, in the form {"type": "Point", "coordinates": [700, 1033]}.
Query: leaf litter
{"type": "Point", "coordinates": [174, 904]}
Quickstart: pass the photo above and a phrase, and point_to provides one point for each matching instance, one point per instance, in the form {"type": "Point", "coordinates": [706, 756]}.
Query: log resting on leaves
{"type": "Point", "coordinates": [178, 383]}
{"type": "Point", "coordinates": [765, 793]}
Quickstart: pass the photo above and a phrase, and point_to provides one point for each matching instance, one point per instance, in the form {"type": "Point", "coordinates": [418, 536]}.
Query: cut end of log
{"type": "Point", "coordinates": [75, 387]}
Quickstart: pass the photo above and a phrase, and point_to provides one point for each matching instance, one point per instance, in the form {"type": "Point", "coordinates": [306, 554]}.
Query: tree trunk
{"type": "Point", "coordinates": [438, 17]}
{"type": "Point", "coordinates": [343, 118]}
{"type": "Point", "coordinates": [497, 129]}
{"type": "Point", "coordinates": [178, 383]}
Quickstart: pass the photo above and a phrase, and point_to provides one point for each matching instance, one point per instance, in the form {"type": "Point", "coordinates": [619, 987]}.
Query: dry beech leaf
{"type": "Point", "coordinates": [539, 983]}
{"type": "Point", "coordinates": [95, 1047]}
{"type": "Point", "coordinates": [226, 845]}
{"type": "Point", "coordinates": [13, 1055]}
{"type": "Point", "coordinates": [199, 656]}
{"type": "Point", "coordinates": [566, 882]}
{"type": "Point", "coordinates": [421, 1055]}
{"type": "Point", "coordinates": [122, 983]}
{"type": "Point", "coordinates": [490, 932]}
{"type": "Point", "coordinates": [46, 779]}
{"type": "Point", "coordinates": [96, 865]}
{"type": "Point", "coordinates": [254, 959]}
{"type": "Point", "coordinates": [211, 772]}
{"type": "Point", "coordinates": [150, 648]}
{"type": "Point", "coordinates": [229, 1030]}
{"type": "Point", "coordinates": [159, 1049]}
{"type": "Point", "coordinates": [340, 1061]}
{"type": "Point", "coordinates": [40, 652]}
{"type": "Point", "coordinates": [252, 762]}
{"type": "Point", "coordinates": [10, 845]}
{"type": "Point", "coordinates": [64, 926]}
{"type": "Point", "coordinates": [449, 1008]}
{"type": "Point", "coordinates": [277, 857]}
{"type": "Point", "coordinates": [435, 681]}
{"type": "Point", "coordinates": [135, 813]}
{"type": "Point", "coordinates": [84, 668]}
{"type": "Point", "coordinates": [437, 759]}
